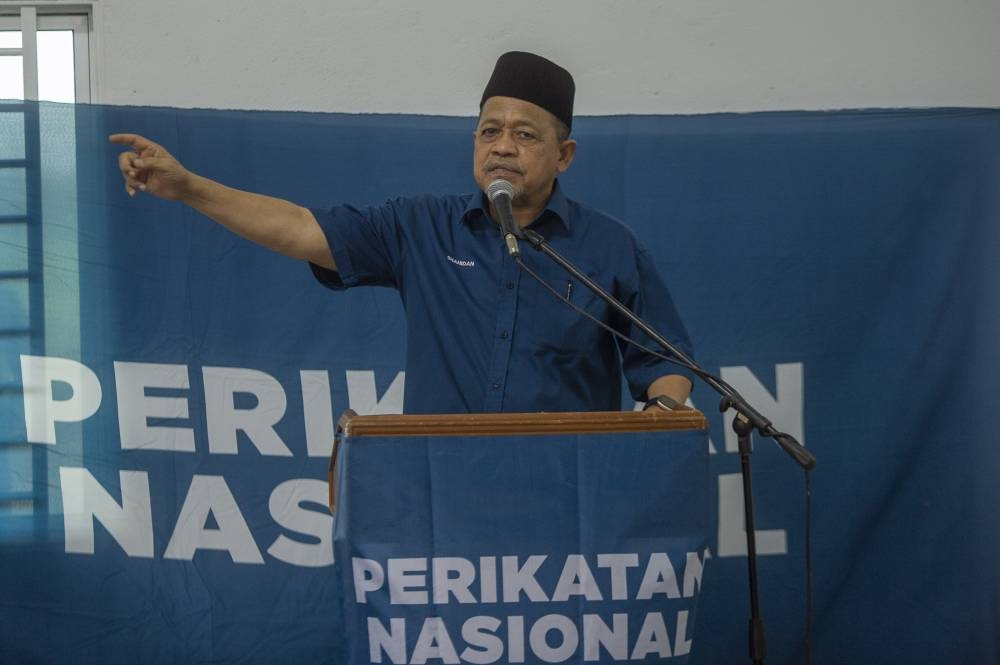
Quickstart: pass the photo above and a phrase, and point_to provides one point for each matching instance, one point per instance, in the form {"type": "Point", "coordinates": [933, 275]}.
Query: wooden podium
{"type": "Point", "coordinates": [521, 537]}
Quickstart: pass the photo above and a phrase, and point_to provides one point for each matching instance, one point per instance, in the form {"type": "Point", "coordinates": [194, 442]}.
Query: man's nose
{"type": "Point", "coordinates": [505, 144]}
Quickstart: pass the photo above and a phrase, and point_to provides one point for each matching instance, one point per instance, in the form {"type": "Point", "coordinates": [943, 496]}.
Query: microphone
{"type": "Point", "coordinates": [501, 193]}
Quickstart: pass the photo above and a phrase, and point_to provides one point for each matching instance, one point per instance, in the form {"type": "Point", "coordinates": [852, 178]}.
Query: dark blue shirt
{"type": "Point", "coordinates": [483, 336]}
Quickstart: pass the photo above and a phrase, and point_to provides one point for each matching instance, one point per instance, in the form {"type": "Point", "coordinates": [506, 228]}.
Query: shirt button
{"type": "Point", "coordinates": [496, 386]}
{"type": "Point", "coordinates": [503, 335]}
{"type": "Point", "coordinates": [510, 285]}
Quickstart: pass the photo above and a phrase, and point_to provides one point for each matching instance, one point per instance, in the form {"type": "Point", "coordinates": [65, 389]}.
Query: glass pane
{"type": "Point", "coordinates": [16, 460]}
{"type": "Point", "coordinates": [12, 410]}
{"type": "Point", "coordinates": [13, 255]}
{"type": "Point", "coordinates": [13, 193]}
{"type": "Point", "coordinates": [56, 79]}
{"type": "Point", "coordinates": [14, 307]}
{"type": "Point", "coordinates": [11, 77]}
{"type": "Point", "coordinates": [11, 136]}
{"type": "Point", "coordinates": [10, 39]}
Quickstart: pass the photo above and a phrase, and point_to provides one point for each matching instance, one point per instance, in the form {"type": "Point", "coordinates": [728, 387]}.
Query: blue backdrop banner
{"type": "Point", "coordinates": [168, 391]}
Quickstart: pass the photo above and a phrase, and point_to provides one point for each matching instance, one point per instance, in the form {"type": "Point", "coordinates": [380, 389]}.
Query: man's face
{"type": "Point", "coordinates": [519, 142]}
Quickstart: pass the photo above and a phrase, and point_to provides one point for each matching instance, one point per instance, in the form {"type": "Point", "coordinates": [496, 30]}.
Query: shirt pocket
{"type": "Point", "coordinates": [550, 323]}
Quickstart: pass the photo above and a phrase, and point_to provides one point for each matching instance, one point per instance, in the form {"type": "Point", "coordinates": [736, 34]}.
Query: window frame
{"type": "Point", "coordinates": [77, 19]}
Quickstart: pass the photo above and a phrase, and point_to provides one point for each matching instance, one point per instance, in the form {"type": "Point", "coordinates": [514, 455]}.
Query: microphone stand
{"type": "Point", "coordinates": [746, 421]}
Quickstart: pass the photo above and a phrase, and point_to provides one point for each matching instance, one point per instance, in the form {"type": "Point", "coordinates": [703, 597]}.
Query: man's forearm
{"type": "Point", "coordinates": [274, 223]}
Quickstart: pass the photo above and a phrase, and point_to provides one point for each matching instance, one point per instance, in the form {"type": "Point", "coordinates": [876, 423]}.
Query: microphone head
{"type": "Point", "coordinates": [499, 187]}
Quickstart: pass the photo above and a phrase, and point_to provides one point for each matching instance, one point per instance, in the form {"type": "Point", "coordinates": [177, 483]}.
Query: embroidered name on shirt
{"type": "Point", "coordinates": [460, 262]}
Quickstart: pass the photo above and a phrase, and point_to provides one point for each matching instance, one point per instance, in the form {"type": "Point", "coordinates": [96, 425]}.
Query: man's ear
{"type": "Point", "coordinates": [567, 150]}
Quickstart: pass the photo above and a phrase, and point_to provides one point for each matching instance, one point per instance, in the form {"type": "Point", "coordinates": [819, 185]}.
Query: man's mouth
{"type": "Point", "coordinates": [502, 169]}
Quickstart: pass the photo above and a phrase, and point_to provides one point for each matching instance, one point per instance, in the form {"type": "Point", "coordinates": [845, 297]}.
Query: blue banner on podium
{"type": "Point", "coordinates": [521, 549]}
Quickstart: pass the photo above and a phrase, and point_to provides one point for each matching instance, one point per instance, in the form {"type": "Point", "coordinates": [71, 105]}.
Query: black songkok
{"type": "Point", "coordinates": [534, 79]}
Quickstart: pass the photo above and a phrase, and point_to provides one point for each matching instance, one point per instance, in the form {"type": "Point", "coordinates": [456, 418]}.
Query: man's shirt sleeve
{"type": "Point", "coordinates": [651, 301]}
{"type": "Point", "coordinates": [365, 245]}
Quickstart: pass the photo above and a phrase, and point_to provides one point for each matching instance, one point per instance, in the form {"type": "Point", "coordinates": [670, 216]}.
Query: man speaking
{"type": "Point", "coordinates": [483, 336]}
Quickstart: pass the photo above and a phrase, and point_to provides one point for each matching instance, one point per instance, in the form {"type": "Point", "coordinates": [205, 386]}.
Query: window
{"type": "Point", "coordinates": [57, 69]}
{"type": "Point", "coordinates": [44, 56]}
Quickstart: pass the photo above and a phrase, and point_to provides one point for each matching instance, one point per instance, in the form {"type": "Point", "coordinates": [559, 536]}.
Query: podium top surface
{"type": "Point", "coordinates": [493, 424]}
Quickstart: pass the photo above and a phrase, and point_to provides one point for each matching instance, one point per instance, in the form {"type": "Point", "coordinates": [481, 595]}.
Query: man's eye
{"type": "Point", "coordinates": [488, 131]}
{"type": "Point", "coordinates": [526, 136]}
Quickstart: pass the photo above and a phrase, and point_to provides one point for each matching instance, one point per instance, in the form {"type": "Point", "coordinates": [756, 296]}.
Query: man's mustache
{"type": "Point", "coordinates": [507, 166]}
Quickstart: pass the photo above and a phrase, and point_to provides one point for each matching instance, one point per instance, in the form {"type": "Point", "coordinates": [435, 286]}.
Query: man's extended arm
{"type": "Point", "coordinates": [277, 224]}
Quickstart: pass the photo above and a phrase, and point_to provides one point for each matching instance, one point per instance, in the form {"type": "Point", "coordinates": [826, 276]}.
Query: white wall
{"type": "Point", "coordinates": [628, 56]}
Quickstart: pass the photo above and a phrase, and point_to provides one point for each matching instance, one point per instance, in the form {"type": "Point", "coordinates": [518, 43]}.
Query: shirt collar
{"type": "Point", "coordinates": [557, 205]}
